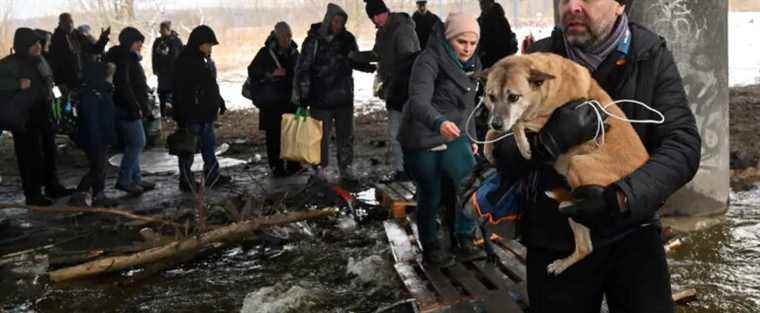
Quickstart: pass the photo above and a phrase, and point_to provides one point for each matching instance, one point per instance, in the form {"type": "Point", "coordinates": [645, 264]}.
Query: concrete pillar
{"type": "Point", "coordinates": [697, 34]}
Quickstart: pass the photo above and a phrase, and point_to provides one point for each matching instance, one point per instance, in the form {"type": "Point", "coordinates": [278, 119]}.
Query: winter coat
{"type": "Point", "coordinates": [196, 91]}
{"type": "Point", "coordinates": [424, 26]}
{"type": "Point", "coordinates": [19, 66]}
{"type": "Point", "coordinates": [131, 86]}
{"type": "Point", "coordinates": [166, 49]}
{"type": "Point", "coordinates": [439, 91]}
{"type": "Point", "coordinates": [67, 51]}
{"type": "Point", "coordinates": [496, 37]}
{"type": "Point", "coordinates": [324, 72]}
{"type": "Point", "coordinates": [396, 45]}
{"type": "Point", "coordinates": [650, 76]}
{"type": "Point", "coordinates": [260, 72]}
{"type": "Point", "coordinates": [96, 108]}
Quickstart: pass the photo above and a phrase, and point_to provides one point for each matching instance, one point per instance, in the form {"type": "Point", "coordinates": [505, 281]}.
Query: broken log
{"type": "Point", "coordinates": [58, 210]}
{"type": "Point", "coordinates": [685, 296]}
{"type": "Point", "coordinates": [192, 245]}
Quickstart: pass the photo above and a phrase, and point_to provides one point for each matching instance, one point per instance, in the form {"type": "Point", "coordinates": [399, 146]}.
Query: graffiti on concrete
{"type": "Point", "coordinates": [689, 35]}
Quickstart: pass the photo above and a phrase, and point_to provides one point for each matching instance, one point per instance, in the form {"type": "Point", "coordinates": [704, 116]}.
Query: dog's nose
{"type": "Point", "coordinates": [497, 124]}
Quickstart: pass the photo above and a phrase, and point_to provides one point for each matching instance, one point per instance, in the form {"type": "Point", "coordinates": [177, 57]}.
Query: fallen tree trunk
{"type": "Point", "coordinates": [229, 233]}
{"type": "Point", "coordinates": [58, 210]}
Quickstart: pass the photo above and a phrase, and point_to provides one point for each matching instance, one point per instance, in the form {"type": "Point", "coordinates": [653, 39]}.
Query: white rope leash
{"type": "Point", "coordinates": [596, 105]}
{"type": "Point", "coordinates": [599, 109]}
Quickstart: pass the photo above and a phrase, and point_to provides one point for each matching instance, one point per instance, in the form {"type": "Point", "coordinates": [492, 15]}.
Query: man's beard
{"type": "Point", "coordinates": [591, 36]}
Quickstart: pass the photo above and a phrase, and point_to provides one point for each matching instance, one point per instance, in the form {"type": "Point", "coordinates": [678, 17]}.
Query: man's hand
{"type": "Point", "coordinates": [280, 72]}
{"type": "Point", "coordinates": [24, 83]}
{"type": "Point", "coordinates": [568, 126]}
{"type": "Point", "coordinates": [105, 33]}
{"type": "Point", "coordinates": [449, 131]}
{"type": "Point", "coordinates": [594, 205]}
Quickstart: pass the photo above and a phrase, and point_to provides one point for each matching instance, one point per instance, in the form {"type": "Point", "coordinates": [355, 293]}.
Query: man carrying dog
{"type": "Point", "coordinates": [628, 264]}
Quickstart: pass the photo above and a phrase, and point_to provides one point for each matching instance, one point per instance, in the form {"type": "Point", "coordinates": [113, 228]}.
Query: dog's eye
{"type": "Point", "coordinates": [492, 98]}
{"type": "Point", "coordinates": [513, 98]}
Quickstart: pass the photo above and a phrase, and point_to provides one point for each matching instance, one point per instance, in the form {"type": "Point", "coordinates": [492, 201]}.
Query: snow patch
{"type": "Point", "coordinates": [273, 300]}
{"type": "Point", "coordinates": [373, 269]}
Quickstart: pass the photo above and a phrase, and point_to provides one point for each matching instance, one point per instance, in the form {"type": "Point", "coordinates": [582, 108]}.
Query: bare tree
{"type": "Point", "coordinates": [6, 27]}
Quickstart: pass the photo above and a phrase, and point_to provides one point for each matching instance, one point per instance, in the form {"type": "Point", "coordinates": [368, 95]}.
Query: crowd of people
{"type": "Point", "coordinates": [425, 71]}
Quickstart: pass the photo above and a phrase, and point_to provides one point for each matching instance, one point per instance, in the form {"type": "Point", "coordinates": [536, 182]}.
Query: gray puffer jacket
{"type": "Point", "coordinates": [439, 91]}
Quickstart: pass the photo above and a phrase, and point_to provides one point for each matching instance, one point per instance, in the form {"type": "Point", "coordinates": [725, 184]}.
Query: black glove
{"type": "Point", "coordinates": [568, 126]}
{"type": "Point", "coordinates": [510, 163]}
{"type": "Point", "coordinates": [594, 206]}
{"type": "Point", "coordinates": [105, 33]}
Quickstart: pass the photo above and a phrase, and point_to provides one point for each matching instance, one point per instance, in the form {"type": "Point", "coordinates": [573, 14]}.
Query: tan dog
{"type": "Point", "coordinates": [524, 90]}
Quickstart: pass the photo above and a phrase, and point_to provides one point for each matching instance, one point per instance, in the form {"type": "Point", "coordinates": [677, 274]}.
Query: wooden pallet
{"type": "Point", "coordinates": [397, 196]}
{"type": "Point", "coordinates": [471, 284]}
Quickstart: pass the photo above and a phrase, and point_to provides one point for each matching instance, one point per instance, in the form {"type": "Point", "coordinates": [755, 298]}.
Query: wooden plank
{"type": "Point", "coordinates": [504, 284]}
{"type": "Point", "coordinates": [415, 285]}
{"type": "Point", "coordinates": [684, 296]}
{"type": "Point", "coordinates": [471, 285]}
{"type": "Point", "coordinates": [403, 250]}
{"type": "Point", "coordinates": [511, 263]}
{"type": "Point", "coordinates": [516, 248]}
{"type": "Point", "coordinates": [498, 302]}
{"type": "Point", "coordinates": [410, 186]}
{"type": "Point", "coordinates": [443, 287]}
{"type": "Point", "coordinates": [413, 227]}
{"type": "Point", "coordinates": [402, 192]}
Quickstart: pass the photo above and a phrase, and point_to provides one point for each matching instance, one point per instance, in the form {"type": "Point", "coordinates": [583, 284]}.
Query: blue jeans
{"type": "Point", "coordinates": [207, 143]}
{"type": "Point", "coordinates": [133, 135]}
{"type": "Point", "coordinates": [428, 169]}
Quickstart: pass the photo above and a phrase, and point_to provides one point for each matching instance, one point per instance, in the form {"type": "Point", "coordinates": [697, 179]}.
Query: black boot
{"type": "Point", "coordinates": [55, 191]}
{"type": "Point", "coordinates": [38, 200]}
{"type": "Point", "coordinates": [465, 247]}
{"type": "Point", "coordinates": [434, 255]}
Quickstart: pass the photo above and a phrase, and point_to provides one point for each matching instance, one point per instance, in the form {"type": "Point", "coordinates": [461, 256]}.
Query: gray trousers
{"type": "Point", "coordinates": [397, 155]}
{"type": "Point", "coordinates": [343, 119]}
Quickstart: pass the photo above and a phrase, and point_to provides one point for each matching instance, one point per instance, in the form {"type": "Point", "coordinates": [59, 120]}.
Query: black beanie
{"type": "Point", "coordinates": [375, 7]}
{"type": "Point", "coordinates": [23, 39]}
{"type": "Point", "coordinates": [130, 35]}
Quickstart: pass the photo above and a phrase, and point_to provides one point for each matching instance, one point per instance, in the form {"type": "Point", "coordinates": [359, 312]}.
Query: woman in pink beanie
{"type": "Point", "coordinates": [442, 93]}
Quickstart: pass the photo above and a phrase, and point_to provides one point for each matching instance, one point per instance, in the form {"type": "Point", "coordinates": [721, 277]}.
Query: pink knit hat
{"type": "Point", "coordinates": [458, 23]}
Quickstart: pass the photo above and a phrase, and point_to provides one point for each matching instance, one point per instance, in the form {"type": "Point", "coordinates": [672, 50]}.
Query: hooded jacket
{"type": "Point", "coordinates": [496, 37]}
{"type": "Point", "coordinates": [164, 53]}
{"type": "Point", "coordinates": [21, 65]}
{"type": "Point", "coordinates": [260, 72]}
{"type": "Point", "coordinates": [396, 45]}
{"type": "Point", "coordinates": [196, 91]}
{"type": "Point", "coordinates": [67, 50]}
{"type": "Point", "coordinates": [439, 90]}
{"type": "Point", "coordinates": [130, 83]}
{"type": "Point", "coordinates": [424, 25]}
{"type": "Point", "coordinates": [649, 75]}
{"type": "Point", "coordinates": [324, 72]}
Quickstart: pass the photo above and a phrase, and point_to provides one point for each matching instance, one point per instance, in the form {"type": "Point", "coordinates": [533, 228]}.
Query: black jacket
{"type": "Point", "coordinates": [439, 90]}
{"type": "Point", "coordinates": [164, 54]}
{"type": "Point", "coordinates": [424, 26]}
{"type": "Point", "coordinates": [397, 46]}
{"type": "Point", "coordinates": [19, 66]}
{"type": "Point", "coordinates": [496, 37]}
{"type": "Point", "coordinates": [650, 76]}
{"type": "Point", "coordinates": [324, 72]}
{"type": "Point", "coordinates": [131, 86]}
{"type": "Point", "coordinates": [196, 91]}
{"type": "Point", "coordinates": [260, 72]}
{"type": "Point", "coordinates": [67, 51]}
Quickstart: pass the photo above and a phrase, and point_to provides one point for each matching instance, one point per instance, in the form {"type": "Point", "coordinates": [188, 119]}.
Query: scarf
{"type": "Point", "coordinates": [467, 66]}
{"type": "Point", "coordinates": [593, 57]}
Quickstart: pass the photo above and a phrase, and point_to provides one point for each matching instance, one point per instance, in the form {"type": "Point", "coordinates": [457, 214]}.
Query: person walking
{"type": "Point", "coordinates": [197, 105]}
{"type": "Point", "coordinates": [165, 52]}
{"type": "Point", "coordinates": [424, 20]}
{"type": "Point", "coordinates": [498, 40]}
{"type": "Point", "coordinates": [442, 92]}
{"type": "Point", "coordinates": [26, 74]}
{"type": "Point", "coordinates": [130, 96]}
{"type": "Point", "coordinates": [271, 73]}
{"type": "Point", "coordinates": [324, 82]}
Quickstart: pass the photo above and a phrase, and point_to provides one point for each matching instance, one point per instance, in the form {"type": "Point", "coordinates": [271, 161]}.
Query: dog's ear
{"type": "Point", "coordinates": [482, 75]}
{"type": "Point", "coordinates": [537, 78]}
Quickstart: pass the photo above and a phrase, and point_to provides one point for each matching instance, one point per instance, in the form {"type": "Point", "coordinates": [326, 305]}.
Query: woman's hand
{"type": "Point", "coordinates": [450, 131]}
{"type": "Point", "coordinates": [475, 150]}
